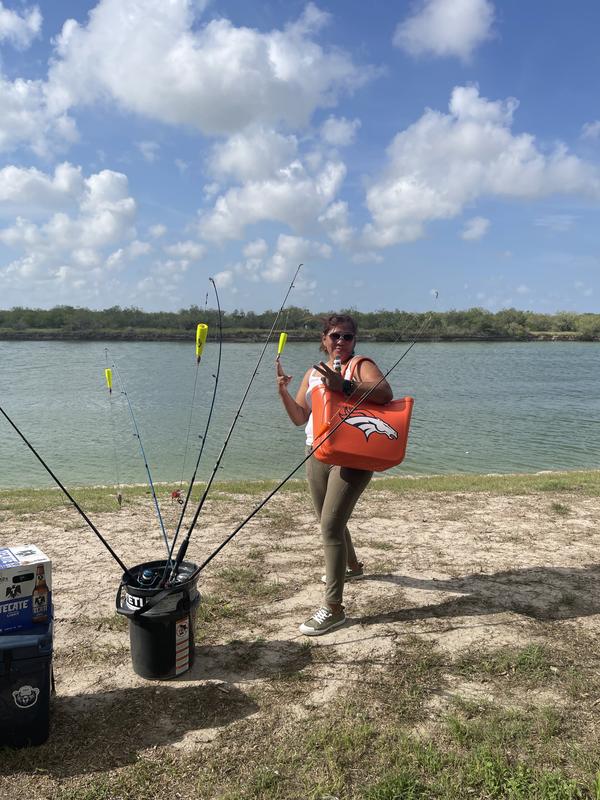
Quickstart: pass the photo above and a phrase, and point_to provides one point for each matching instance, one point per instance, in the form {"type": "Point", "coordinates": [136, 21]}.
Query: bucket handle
{"type": "Point", "coordinates": [138, 612]}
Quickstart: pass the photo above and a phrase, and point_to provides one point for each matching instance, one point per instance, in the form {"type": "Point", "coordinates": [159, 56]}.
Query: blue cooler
{"type": "Point", "coordinates": [25, 687]}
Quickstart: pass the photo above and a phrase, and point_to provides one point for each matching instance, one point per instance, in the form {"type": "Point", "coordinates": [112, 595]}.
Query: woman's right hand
{"type": "Point", "coordinates": [283, 380]}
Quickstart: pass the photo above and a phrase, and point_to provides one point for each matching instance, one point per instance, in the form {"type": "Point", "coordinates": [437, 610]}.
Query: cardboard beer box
{"type": "Point", "coordinates": [25, 588]}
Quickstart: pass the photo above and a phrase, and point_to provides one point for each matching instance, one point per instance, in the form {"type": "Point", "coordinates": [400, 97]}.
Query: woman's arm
{"type": "Point", "coordinates": [368, 375]}
{"type": "Point", "coordinates": [297, 409]}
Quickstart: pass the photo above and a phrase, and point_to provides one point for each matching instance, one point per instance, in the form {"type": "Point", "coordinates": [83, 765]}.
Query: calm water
{"type": "Point", "coordinates": [478, 408]}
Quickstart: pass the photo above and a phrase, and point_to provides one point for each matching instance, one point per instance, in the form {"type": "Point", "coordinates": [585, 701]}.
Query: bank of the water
{"type": "Point", "coordinates": [133, 335]}
{"type": "Point", "coordinates": [103, 498]}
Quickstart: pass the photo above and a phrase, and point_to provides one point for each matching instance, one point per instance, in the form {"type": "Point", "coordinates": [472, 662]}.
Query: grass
{"type": "Point", "coordinates": [560, 509]}
{"type": "Point", "coordinates": [102, 499]}
{"type": "Point", "coordinates": [378, 740]}
{"type": "Point", "coordinates": [249, 583]}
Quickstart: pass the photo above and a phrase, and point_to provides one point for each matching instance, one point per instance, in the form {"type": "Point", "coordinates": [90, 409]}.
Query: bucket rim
{"type": "Point", "coordinates": [141, 591]}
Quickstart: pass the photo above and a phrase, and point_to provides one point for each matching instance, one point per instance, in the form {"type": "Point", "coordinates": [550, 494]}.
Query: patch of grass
{"type": "Point", "coordinates": [529, 666]}
{"type": "Point", "coordinates": [380, 544]}
{"type": "Point", "coordinates": [249, 583]}
{"type": "Point", "coordinates": [256, 554]}
{"type": "Point", "coordinates": [586, 483]}
{"type": "Point", "coordinates": [213, 609]}
{"type": "Point", "coordinates": [112, 622]}
{"type": "Point", "coordinates": [103, 499]}
{"type": "Point", "coordinates": [560, 509]}
{"type": "Point", "coordinates": [99, 654]}
{"type": "Point", "coordinates": [100, 499]}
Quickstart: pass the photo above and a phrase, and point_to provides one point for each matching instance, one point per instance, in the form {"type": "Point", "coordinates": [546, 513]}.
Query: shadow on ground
{"type": "Point", "coordinates": [543, 593]}
{"type": "Point", "coordinates": [108, 729]}
{"type": "Point", "coordinates": [241, 660]}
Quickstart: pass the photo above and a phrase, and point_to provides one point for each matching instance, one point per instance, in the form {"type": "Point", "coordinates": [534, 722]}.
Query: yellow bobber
{"type": "Point", "coordinates": [282, 341]}
{"type": "Point", "coordinates": [201, 334]}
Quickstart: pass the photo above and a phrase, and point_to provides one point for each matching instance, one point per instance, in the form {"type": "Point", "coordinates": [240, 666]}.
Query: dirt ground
{"type": "Point", "coordinates": [464, 571]}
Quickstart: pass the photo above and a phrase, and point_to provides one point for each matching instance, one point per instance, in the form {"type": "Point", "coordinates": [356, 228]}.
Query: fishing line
{"type": "Point", "coordinates": [204, 437]}
{"type": "Point", "coordinates": [187, 438]}
{"type": "Point", "coordinates": [184, 544]}
{"type": "Point", "coordinates": [139, 438]}
{"type": "Point", "coordinates": [108, 376]}
{"type": "Point", "coordinates": [66, 492]}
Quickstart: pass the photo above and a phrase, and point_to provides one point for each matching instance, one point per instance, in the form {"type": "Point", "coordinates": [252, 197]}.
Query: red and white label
{"type": "Point", "coordinates": [182, 645]}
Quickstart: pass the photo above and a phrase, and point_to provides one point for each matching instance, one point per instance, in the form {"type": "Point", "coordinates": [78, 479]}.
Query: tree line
{"type": "Point", "coordinates": [133, 323]}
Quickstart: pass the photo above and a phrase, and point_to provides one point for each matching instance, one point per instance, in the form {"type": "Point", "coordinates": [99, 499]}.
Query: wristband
{"type": "Point", "coordinates": [348, 387]}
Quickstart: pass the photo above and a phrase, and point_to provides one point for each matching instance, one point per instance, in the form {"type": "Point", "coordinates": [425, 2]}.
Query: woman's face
{"type": "Point", "coordinates": [339, 341]}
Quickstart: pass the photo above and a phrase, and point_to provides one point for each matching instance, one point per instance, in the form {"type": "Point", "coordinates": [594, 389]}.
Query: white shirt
{"type": "Point", "coordinates": [314, 379]}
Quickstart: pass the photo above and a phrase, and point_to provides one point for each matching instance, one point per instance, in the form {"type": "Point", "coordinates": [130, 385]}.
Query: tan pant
{"type": "Point", "coordinates": [334, 492]}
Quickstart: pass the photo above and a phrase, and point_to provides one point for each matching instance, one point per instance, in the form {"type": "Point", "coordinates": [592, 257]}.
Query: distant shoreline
{"type": "Point", "coordinates": [259, 336]}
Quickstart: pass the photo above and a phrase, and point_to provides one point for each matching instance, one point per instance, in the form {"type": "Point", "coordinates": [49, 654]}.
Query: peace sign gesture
{"type": "Point", "coordinates": [333, 380]}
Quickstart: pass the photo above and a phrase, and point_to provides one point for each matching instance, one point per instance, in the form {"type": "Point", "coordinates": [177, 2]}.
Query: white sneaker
{"type": "Point", "coordinates": [323, 621]}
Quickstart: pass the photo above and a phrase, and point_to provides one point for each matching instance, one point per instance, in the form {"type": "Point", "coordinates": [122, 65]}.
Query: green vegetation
{"type": "Point", "coordinates": [68, 322]}
{"type": "Point", "coordinates": [101, 498]}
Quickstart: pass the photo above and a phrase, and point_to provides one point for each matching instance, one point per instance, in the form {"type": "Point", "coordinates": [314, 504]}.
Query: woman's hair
{"type": "Point", "coordinates": [337, 319]}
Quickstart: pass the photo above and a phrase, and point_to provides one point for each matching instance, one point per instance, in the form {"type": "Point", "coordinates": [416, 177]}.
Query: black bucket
{"type": "Point", "coordinates": [161, 621]}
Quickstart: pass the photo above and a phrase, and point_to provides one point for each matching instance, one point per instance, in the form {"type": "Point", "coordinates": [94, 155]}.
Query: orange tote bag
{"type": "Point", "coordinates": [371, 437]}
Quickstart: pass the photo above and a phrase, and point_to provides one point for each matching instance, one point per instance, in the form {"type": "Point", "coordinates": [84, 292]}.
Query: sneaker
{"type": "Point", "coordinates": [323, 621]}
{"type": "Point", "coordinates": [357, 572]}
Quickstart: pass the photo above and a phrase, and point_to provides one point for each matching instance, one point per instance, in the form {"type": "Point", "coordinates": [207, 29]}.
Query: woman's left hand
{"type": "Point", "coordinates": [333, 380]}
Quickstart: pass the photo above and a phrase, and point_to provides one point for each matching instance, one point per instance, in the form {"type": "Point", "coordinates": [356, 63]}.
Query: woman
{"type": "Point", "coordinates": [334, 490]}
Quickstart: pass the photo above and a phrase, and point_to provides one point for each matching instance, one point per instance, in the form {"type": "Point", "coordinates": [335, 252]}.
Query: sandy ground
{"type": "Point", "coordinates": [463, 571]}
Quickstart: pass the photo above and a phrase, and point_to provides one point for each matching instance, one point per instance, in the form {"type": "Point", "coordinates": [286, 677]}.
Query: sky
{"type": "Point", "coordinates": [411, 155]}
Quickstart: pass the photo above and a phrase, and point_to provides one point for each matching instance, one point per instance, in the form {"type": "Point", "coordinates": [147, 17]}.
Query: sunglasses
{"type": "Point", "coordinates": [335, 336]}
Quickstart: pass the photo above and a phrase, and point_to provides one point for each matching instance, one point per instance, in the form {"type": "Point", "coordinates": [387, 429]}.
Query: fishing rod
{"type": "Point", "coordinates": [313, 450]}
{"type": "Point", "coordinates": [204, 437]}
{"type": "Point", "coordinates": [152, 601]}
{"type": "Point", "coordinates": [184, 544]}
{"type": "Point", "coordinates": [139, 438]}
{"type": "Point", "coordinates": [67, 493]}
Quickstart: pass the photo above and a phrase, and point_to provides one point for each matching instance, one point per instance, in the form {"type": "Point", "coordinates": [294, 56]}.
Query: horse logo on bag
{"type": "Point", "coordinates": [369, 425]}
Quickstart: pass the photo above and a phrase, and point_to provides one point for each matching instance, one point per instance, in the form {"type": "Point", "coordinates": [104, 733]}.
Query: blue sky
{"type": "Point", "coordinates": [396, 149]}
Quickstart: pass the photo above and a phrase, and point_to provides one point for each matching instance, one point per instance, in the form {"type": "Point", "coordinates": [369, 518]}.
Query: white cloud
{"type": "Point", "coordinates": [523, 289]}
{"type": "Point", "coordinates": [291, 251]}
{"type": "Point", "coordinates": [29, 189]}
{"type": "Point", "coordinates": [253, 154]}
{"type": "Point", "coordinates": [335, 221]}
{"type": "Point", "coordinates": [475, 229]}
{"type": "Point", "coordinates": [181, 165]}
{"type": "Point", "coordinates": [256, 249]}
{"type": "Point", "coordinates": [339, 131]}
{"type": "Point", "coordinates": [292, 196]}
{"type": "Point", "coordinates": [156, 231]}
{"type": "Point", "coordinates": [191, 251]}
{"type": "Point", "coordinates": [149, 150]}
{"type": "Point", "coordinates": [73, 249]}
{"type": "Point", "coordinates": [444, 161]}
{"type": "Point", "coordinates": [591, 130]}
{"type": "Point", "coordinates": [27, 118]}
{"type": "Point", "coordinates": [446, 28]}
{"type": "Point", "coordinates": [224, 279]}
{"type": "Point", "coordinates": [155, 59]}
{"type": "Point", "coordinates": [20, 30]}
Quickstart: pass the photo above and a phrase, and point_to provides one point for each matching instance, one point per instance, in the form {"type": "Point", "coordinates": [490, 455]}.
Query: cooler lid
{"type": "Point", "coordinates": [27, 644]}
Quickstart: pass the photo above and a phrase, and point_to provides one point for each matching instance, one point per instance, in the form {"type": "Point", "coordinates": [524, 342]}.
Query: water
{"type": "Point", "coordinates": [479, 408]}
